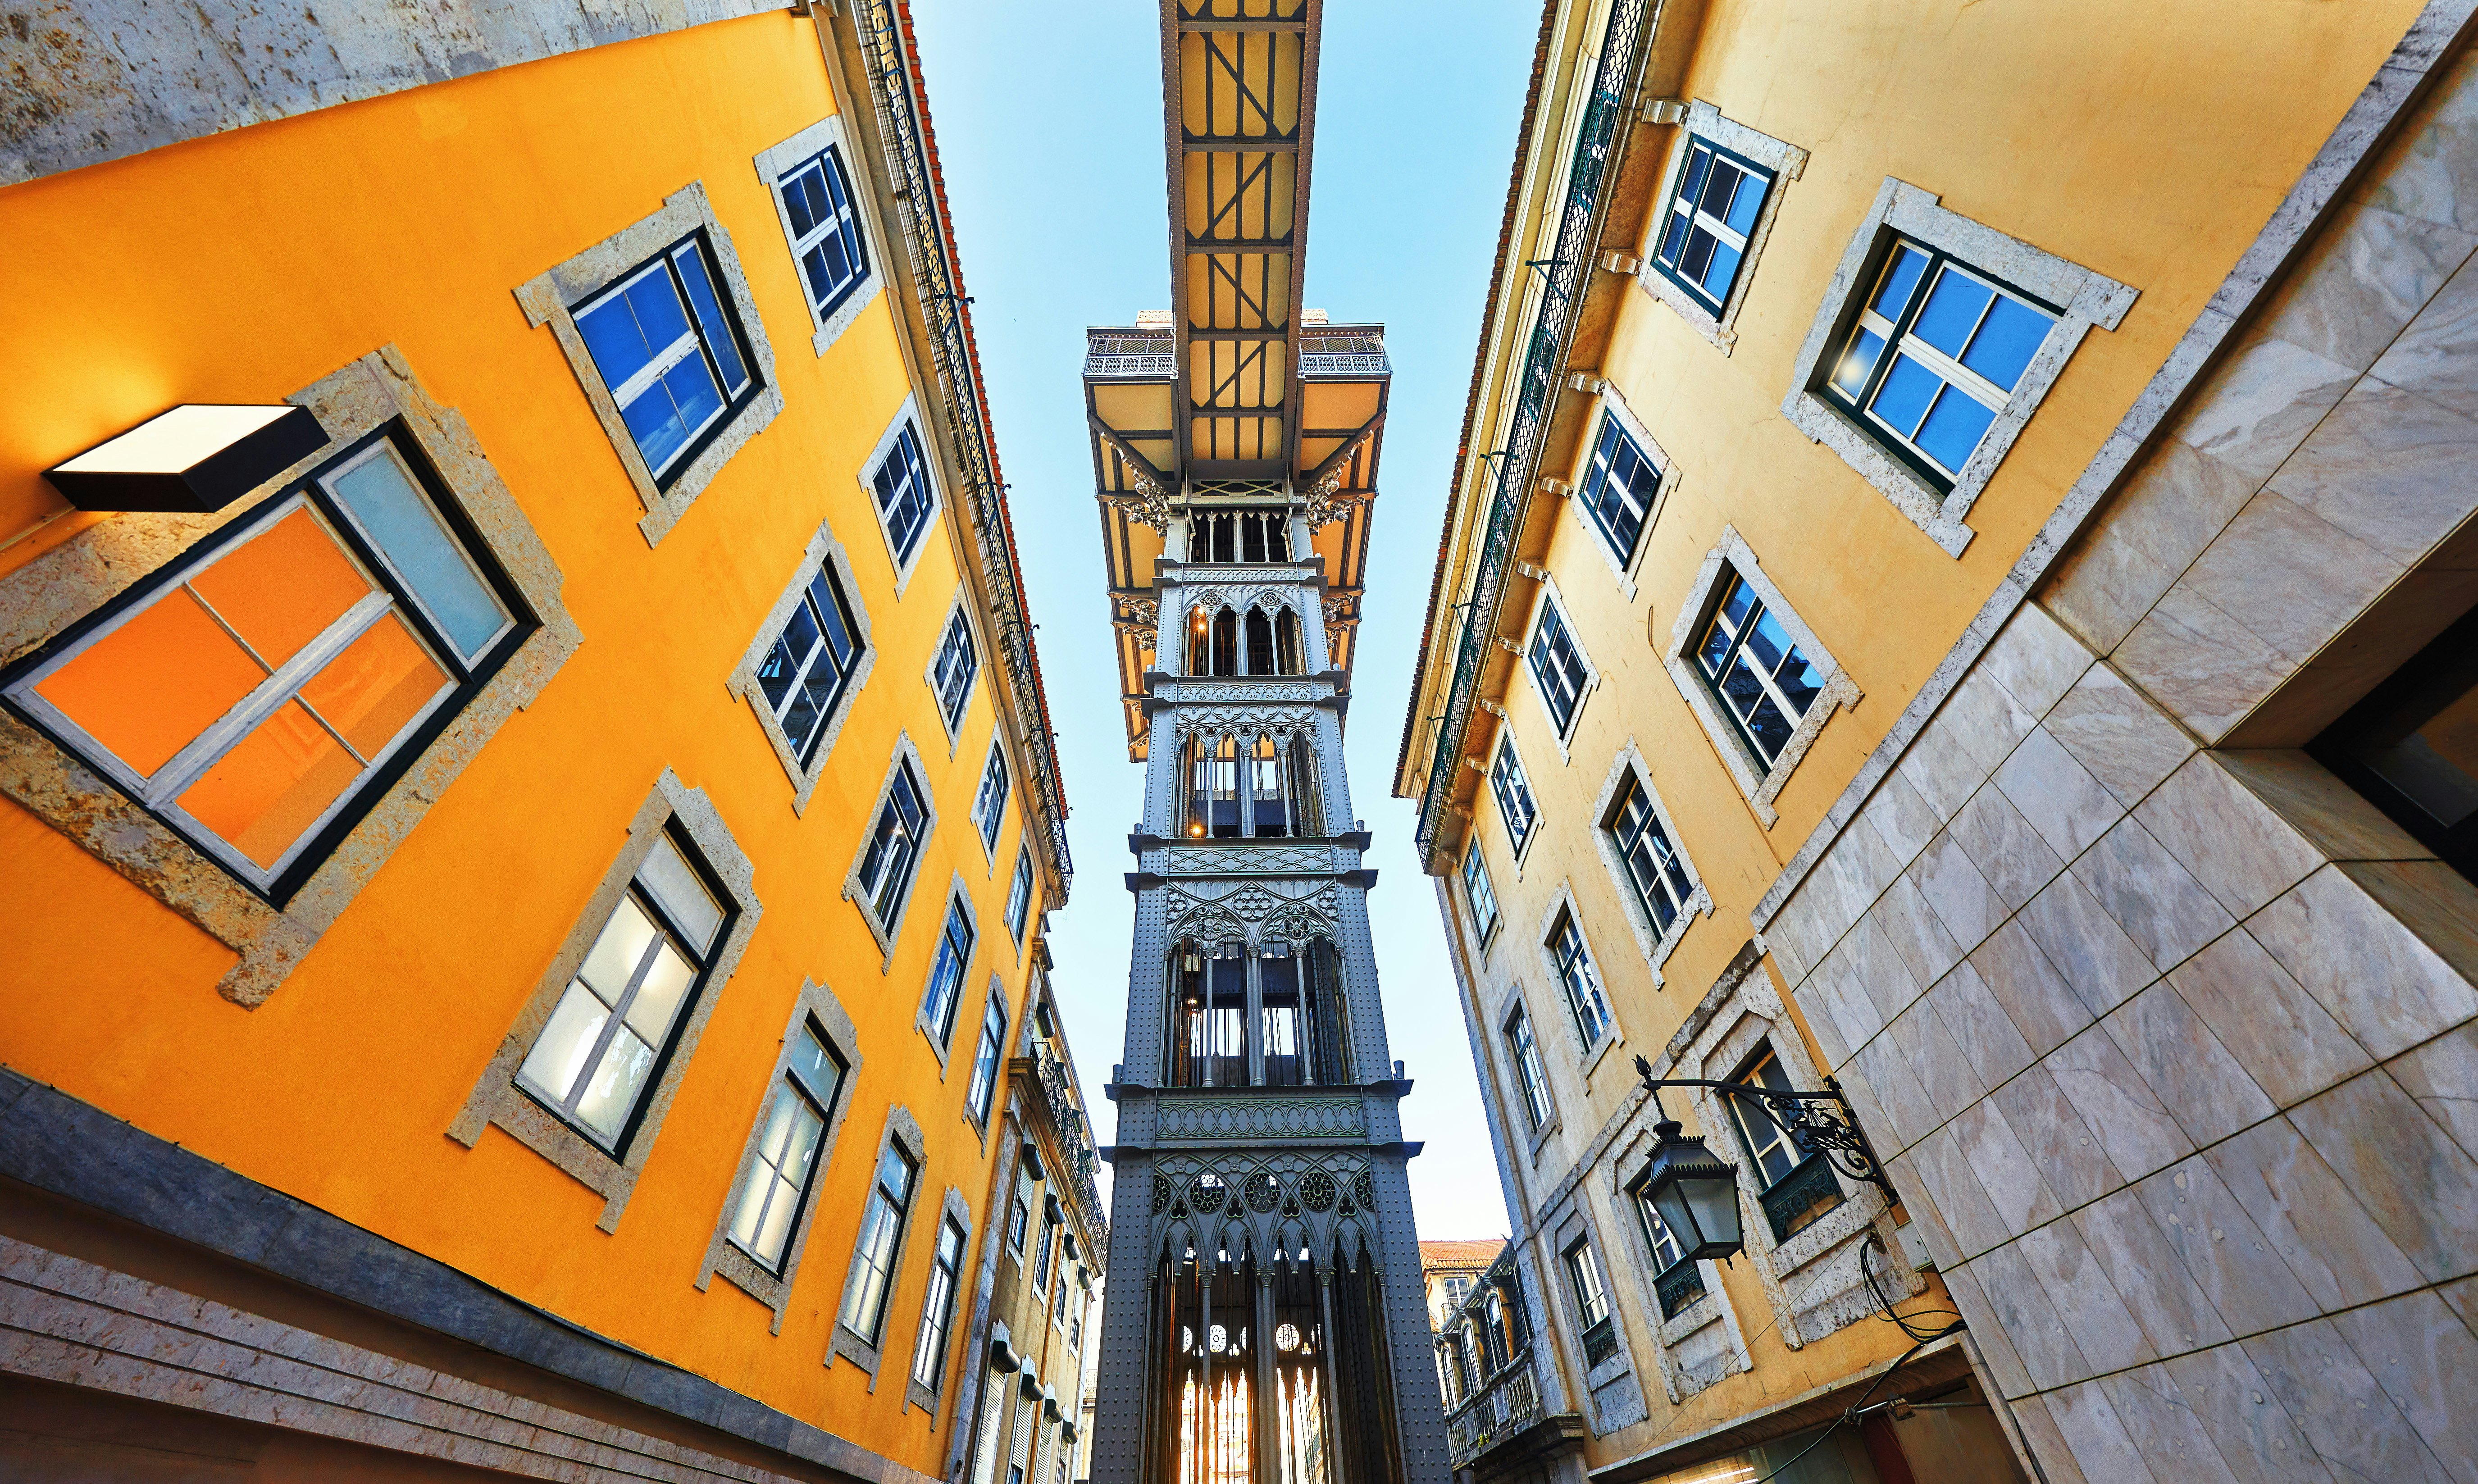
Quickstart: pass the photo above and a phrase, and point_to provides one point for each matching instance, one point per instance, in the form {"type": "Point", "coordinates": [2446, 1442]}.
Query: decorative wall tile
{"type": "Point", "coordinates": [2254, 410]}
{"type": "Point", "coordinates": [2205, 667]}
{"type": "Point", "coordinates": [2013, 1184]}
{"type": "Point", "coordinates": [1943, 1071]}
{"type": "Point", "coordinates": [2285, 1040]}
{"type": "Point", "coordinates": [2375, 977]}
{"type": "Point", "coordinates": [2242, 852]}
{"type": "Point", "coordinates": [2035, 658]}
{"type": "Point", "coordinates": [2088, 1420]}
{"type": "Point", "coordinates": [1997, 1350]}
{"type": "Point", "coordinates": [2165, 1299]}
{"type": "Point", "coordinates": [1983, 720]}
{"type": "Point", "coordinates": [2162, 516]}
{"type": "Point", "coordinates": [2336, 1251]}
{"type": "Point", "coordinates": [2387, 467]}
{"type": "Point", "coordinates": [1987, 1036]}
{"type": "Point", "coordinates": [2100, 962]}
{"type": "Point", "coordinates": [2256, 1436]}
{"type": "Point", "coordinates": [1944, 1170]}
{"type": "Point", "coordinates": [1878, 970]}
{"type": "Point", "coordinates": [1941, 774]}
{"type": "Point", "coordinates": [2133, 1128]}
{"type": "Point", "coordinates": [1960, 898]}
{"type": "Point", "coordinates": [2226, 1254]}
{"type": "Point", "coordinates": [1911, 1113]}
{"type": "Point", "coordinates": [2103, 1329]}
{"type": "Point", "coordinates": [2068, 1153]}
{"type": "Point", "coordinates": [2163, 1427]}
{"type": "Point", "coordinates": [2029, 1319]}
{"type": "Point", "coordinates": [2041, 1005]}
{"type": "Point", "coordinates": [2158, 902]}
{"type": "Point", "coordinates": [1903, 819]}
{"type": "Point", "coordinates": [2291, 578]}
{"type": "Point", "coordinates": [1915, 932]}
{"type": "Point", "coordinates": [2060, 798]}
{"type": "Point", "coordinates": [2203, 1087]}
{"type": "Point", "coordinates": [2419, 1185]}
{"type": "Point", "coordinates": [2370, 272]}
{"type": "Point", "coordinates": [2338, 1405]}
{"type": "Point", "coordinates": [2129, 744]}
{"type": "Point", "coordinates": [2426, 1361]}
{"type": "Point", "coordinates": [2438, 357]}
{"type": "Point", "coordinates": [2008, 851]}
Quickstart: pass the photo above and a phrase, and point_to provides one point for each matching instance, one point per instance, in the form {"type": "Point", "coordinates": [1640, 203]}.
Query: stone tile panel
{"type": "Point", "coordinates": [2035, 658]}
{"type": "Point", "coordinates": [2370, 272]}
{"type": "Point", "coordinates": [2042, 1006]}
{"type": "Point", "coordinates": [1944, 1073]}
{"type": "Point", "coordinates": [2242, 852]}
{"type": "Point", "coordinates": [2006, 1172]}
{"type": "Point", "coordinates": [2387, 467]}
{"type": "Point", "coordinates": [2012, 856]}
{"type": "Point", "coordinates": [1944, 1172]}
{"type": "Point", "coordinates": [2205, 666]}
{"type": "Point", "coordinates": [2437, 357]}
{"type": "Point", "coordinates": [2443, 1076]}
{"type": "Point", "coordinates": [2056, 1456]}
{"type": "Point", "coordinates": [1966, 906]}
{"type": "Point", "coordinates": [2120, 1106]}
{"type": "Point", "coordinates": [2163, 1429]}
{"type": "Point", "coordinates": [1915, 932]}
{"type": "Point", "coordinates": [2129, 744]}
{"type": "Point", "coordinates": [1962, 1283]}
{"type": "Point", "coordinates": [2291, 578]}
{"type": "Point", "coordinates": [2060, 798]}
{"type": "Point", "coordinates": [2101, 1445]}
{"type": "Point", "coordinates": [2375, 977]}
{"type": "Point", "coordinates": [2103, 966]}
{"type": "Point", "coordinates": [2158, 902]}
{"type": "Point", "coordinates": [2164, 513]}
{"type": "Point", "coordinates": [2408, 1174]}
{"type": "Point", "coordinates": [2340, 1408]}
{"type": "Point", "coordinates": [2068, 1154]}
{"type": "Point", "coordinates": [1905, 1106]}
{"type": "Point", "coordinates": [2226, 1254]}
{"type": "Point", "coordinates": [2337, 1253]}
{"type": "Point", "coordinates": [2426, 1361]}
{"type": "Point", "coordinates": [2104, 1330]}
{"type": "Point", "coordinates": [1902, 818]}
{"type": "Point", "coordinates": [2258, 1439]}
{"type": "Point", "coordinates": [2029, 1319]}
{"type": "Point", "coordinates": [1989, 1038]}
{"type": "Point", "coordinates": [2203, 1087]}
{"type": "Point", "coordinates": [2174, 1312]}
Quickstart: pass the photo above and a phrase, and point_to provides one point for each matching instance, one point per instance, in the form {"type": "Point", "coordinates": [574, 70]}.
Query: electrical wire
{"type": "Point", "coordinates": [1876, 1242]}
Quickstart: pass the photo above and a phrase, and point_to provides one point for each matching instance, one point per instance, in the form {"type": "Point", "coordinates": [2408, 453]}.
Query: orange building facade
{"type": "Point", "coordinates": [524, 780]}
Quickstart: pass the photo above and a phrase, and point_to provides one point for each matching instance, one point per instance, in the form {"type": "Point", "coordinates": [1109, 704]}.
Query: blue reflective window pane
{"type": "Point", "coordinates": [1718, 186]}
{"type": "Point", "coordinates": [1699, 254]}
{"type": "Point", "coordinates": [1670, 242]}
{"type": "Point", "coordinates": [1743, 691]}
{"type": "Point", "coordinates": [654, 422]}
{"type": "Point", "coordinates": [830, 610]}
{"type": "Point", "coordinates": [1699, 163]}
{"type": "Point", "coordinates": [1858, 361]}
{"type": "Point", "coordinates": [1723, 270]}
{"type": "Point", "coordinates": [1715, 649]}
{"type": "Point", "coordinates": [1745, 204]}
{"type": "Point", "coordinates": [656, 305]}
{"type": "Point", "coordinates": [719, 335]}
{"type": "Point", "coordinates": [1903, 399]}
{"type": "Point", "coordinates": [1767, 643]}
{"type": "Point", "coordinates": [615, 340]}
{"type": "Point", "coordinates": [2005, 341]}
{"type": "Point", "coordinates": [1952, 312]}
{"type": "Point", "coordinates": [1952, 430]}
{"type": "Point", "coordinates": [691, 386]}
{"type": "Point", "coordinates": [1742, 598]}
{"type": "Point", "coordinates": [1771, 731]}
{"type": "Point", "coordinates": [804, 201]}
{"type": "Point", "coordinates": [781, 669]}
{"type": "Point", "coordinates": [400, 522]}
{"type": "Point", "coordinates": [1909, 263]}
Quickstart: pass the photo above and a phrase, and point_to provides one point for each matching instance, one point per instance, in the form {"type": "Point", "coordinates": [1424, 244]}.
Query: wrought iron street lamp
{"type": "Point", "coordinates": [1696, 1192]}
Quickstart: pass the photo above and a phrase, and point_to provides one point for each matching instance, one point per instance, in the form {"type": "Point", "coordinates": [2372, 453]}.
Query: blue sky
{"type": "Point", "coordinates": [1050, 130]}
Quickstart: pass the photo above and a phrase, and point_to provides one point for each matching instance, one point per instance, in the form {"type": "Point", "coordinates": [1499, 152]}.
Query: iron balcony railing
{"type": "Point", "coordinates": [1075, 1135]}
{"type": "Point", "coordinates": [1120, 353]}
{"type": "Point", "coordinates": [941, 306]}
{"type": "Point", "coordinates": [1356, 353]}
{"type": "Point", "coordinates": [1605, 116]}
{"type": "Point", "coordinates": [1508, 1404]}
{"type": "Point", "coordinates": [1134, 352]}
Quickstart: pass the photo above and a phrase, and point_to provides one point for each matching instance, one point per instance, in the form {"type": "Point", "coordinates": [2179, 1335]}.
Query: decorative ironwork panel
{"type": "Point", "coordinates": [1263, 1120]}
{"type": "Point", "coordinates": [1800, 1196]}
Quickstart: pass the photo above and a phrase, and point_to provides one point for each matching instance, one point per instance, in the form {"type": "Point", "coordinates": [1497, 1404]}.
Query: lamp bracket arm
{"type": "Point", "coordinates": [1798, 1116]}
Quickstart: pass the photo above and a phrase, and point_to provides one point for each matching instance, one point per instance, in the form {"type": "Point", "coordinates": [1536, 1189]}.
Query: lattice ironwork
{"type": "Point", "coordinates": [1681, 1285]}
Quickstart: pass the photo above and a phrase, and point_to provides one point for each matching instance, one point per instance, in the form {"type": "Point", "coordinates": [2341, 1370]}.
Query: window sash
{"type": "Point", "coordinates": [1702, 251]}
{"type": "Point", "coordinates": [1480, 893]}
{"type": "Point", "coordinates": [1722, 655]}
{"type": "Point", "coordinates": [1653, 866]}
{"type": "Point", "coordinates": [904, 493]}
{"type": "Point", "coordinates": [1529, 1072]}
{"type": "Point", "coordinates": [810, 666]}
{"type": "Point", "coordinates": [1586, 1276]}
{"type": "Point", "coordinates": [393, 595]}
{"type": "Point", "coordinates": [1581, 982]}
{"type": "Point", "coordinates": [881, 1235]}
{"type": "Point", "coordinates": [947, 972]}
{"type": "Point", "coordinates": [990, 804]}
{"type": "Point", "coordinates": [1513, 790]}
{"type": "Point", "coordinates": [822, 220]}
{"type": "Point", "coordinates": [895, 848]}
{"type": "Point", "coordinates": [1773, 1153]}
{"type": "Point", "coordinates": [1666, 1253]}
{"type": "Point", "coordinates": [958, 662]}
{"type": "Point", "coordinates": [985, 1059]}
{"type": "Point", "coordinates": [706, 336]}
{"type": "Point", "coordinates": [1019, 907]}
{"type": "Point", "coordinates": [1619, 487]}
{"type": "Point", "coordinates": [1557, 665]}
{"type": "Point", "coordinates": [937, 1307]}
{"type": "Point", "coordinates": [778, 1183]}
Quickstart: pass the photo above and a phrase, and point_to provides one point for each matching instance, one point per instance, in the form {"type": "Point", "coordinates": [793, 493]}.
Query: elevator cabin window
{"type": "Point", "coordinates": [1239, 536]}
{"type": "Point", "coordinates": [1223, 642]}
{"type": "Point", "coordinates": [1272, 796]}
{"type": "Point", "coordinates": [1289, 995]}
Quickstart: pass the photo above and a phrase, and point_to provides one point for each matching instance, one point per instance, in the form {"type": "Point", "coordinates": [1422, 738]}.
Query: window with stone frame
{"type": "Point", "coordinates": [989, 803]}
{"type": "Point", "coordinates": [938, 1306]}
{"type": "Point", "coordinates": [1513, 789]}
{"type": "Point", "coordinates": [1932, 347]}
{"type": "Point", "coordinates": [1027, 1181]}
{"type": "Point", "coordinates": [944, 990]}
{"type": "Point", "coordinates": [260, 692]}
{"type": "Point", "coordinates": [1019, 903]}
{"type": "Point", "coordinates": [777, 1192]}
{"type": "Point", "coordinates": [1581, 980]}
{"type": "Point", "coordinates": [874, 1254]}
{"type": "Point", "coordinates": [1708, 222]}
{"type": "Point", "coordinates": [827, 239]}
{"type": "Point", "coordinates": [903, 488]}
{"type": "Point", "coordinates": [1478, 894]}
{"type": "Point", "coordinates": [1043, 1254]}
{"type": "Point", "coordinates": [1649, 863]}
{"type": "Point", "coordinates": [1757, 672]}
{"type": "Point", "coordinates": [880, 883]}
{"type": "Point", "coordinates": [1598, 1323]}
{"type": "Point", "coordinates": [950, 672]}
{"type": "Point", "coordinates": [1619, 489]}
{"type": "Point", "coordinates": [1558, 669]}
{"type": "Point", "coordinates": [1794, 1183]}
{"type": "Point", "coordinates": [986, 1055]}
{"type": "Point", "coordinates": [807, 664]}
{"type": "Point", "coordinates": [1530, 1076]}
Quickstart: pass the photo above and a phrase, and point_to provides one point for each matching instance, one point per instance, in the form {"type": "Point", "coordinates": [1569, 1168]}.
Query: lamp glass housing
{"type": "Point", "coordinates": [1696, 1192]}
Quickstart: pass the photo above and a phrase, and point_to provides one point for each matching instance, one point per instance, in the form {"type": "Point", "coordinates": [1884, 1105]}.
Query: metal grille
{"type": "Point", "coordinates": [925, 242]}
{"type": "Point", "coordinates": [1327, 355]}
{"type": "Point", "coordinates": [1681, 1285]}
{"type": "Point", "coordinates": [1114, 354]}
{"type": "Point", "coordinates": [1508, 1404]}
{"type": "Point", "coordinates": [1799, 1197]}
{"type": "Point", "coordinates": [1605, 115]}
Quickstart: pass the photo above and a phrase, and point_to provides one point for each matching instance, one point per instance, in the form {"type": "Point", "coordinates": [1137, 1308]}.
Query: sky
{"type": "Point", "coordinates": [1049, 133]}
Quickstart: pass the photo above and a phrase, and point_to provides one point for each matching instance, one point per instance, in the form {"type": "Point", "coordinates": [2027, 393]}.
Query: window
{"type": "Point", "coordinates": [1041, 1258]}
{"type": "Point", "coordinates": [946, 973]}
{"type": "Point", "coordinates": [1019, 904]}
{"type": "Point", "coordinates": [1675, 1282]}
{"type": "Point", "coordinates": [669, 353]}
{"type": "Point", "coordinates": [1764, 680]}
{"type": "Point", "coordinates": [811, 665]}
{"type": "Point", "coordinates": [1712, 213]}
{"type": "Point", "coordinates": [1457, 1289]}
{"type": "Point", "coordinates": [951, 674]}
{"type": "Point", "coordinates": [260, 696]}
{"type": "Point", "coordinates": [1239, 536]}
{"type": "Point", "coordinates": [1020, 1217]}
{"type": "Point", "coordinates": [989, 805]}
{"type": "Point", "coordinates": [1932, 358]}
{"type": "Point", "coordinates": [938, 1309]}
{"type": "Point", "coordinates": [1580, 981]}
{"type": "Point", "coordinates": [1654, 867]}
{"type": "Point", "coordinates": [1533, 1078]}
{"type": "Point", "coordinates": [825, 233]}
{"type": "Point", "coordinates": [1479, 895]}
{"type": "Point", "coordinates": [1513, 793]}
{"type": "Point", "coordinates": [1557, 667]}
{"type": "Point", "coordinates": [1064, 1299]}
{"type": "Point", "coordinates": [1796, 1183]}
{"type": "Point", "coordinates": [881, 1236]}
{"type": "Point", "coordinates": [1618, 488]}
{"type": "Point", "coordinates": [786, 1151]}
{"type": "Point", "coordinates": [1076, 1325]}
{"type": "Point", "coordinates": [985, 1059]}
{"type": "Point", "coordinates": [613, 1027]}
{"type": "Point", "coordinates": [901, 485]}
{"type": "Point", "coordinates": [1591, 1305]}
{"type": "Point", "coordinates": [885, 876]}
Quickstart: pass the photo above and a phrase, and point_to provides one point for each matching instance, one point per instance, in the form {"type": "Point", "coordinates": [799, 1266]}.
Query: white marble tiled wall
{"type": "Point", "coordinates": [2175, 1051]}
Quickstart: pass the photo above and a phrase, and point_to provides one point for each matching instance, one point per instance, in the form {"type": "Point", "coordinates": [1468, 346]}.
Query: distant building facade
{"type": "Point", "coordinates": [523, 775]}
{"type": "Point", "coordinates": [1974, 607]}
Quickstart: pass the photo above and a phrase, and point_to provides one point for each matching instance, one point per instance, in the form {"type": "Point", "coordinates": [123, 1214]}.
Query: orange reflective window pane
{"type": "Point", "coordinates": [281, 588]}
{"type": "Point", "coordinates": [268, 790]}
{"type": "Point", "coordinates": [374, 689]}
{"type": "Point", "coordinates": [152, 685]}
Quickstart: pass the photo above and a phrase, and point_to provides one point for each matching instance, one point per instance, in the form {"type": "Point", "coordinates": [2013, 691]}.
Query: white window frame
{"type": "Point", "coordinates": [939, 1313]}
{"type": "Point", "coordinates": [1536, 1122]}
{"type": "Point", "coordinates": [546, 300]}
{"type": "Point", "coordinates": [1551, 601]}
{"type": "Point", "coordinates": [1760, 782]}
{"type": "Point", "coordinates": [1614, 409]}
{"type": "Point", "coordinates": [1651, 940]}
{"type": "Point", "coordinates": [824, 553]}
{"type": "Point", "coordinates": [990, 799]}
{"type": "Point", "coordinates": [905, 755]}
{"type": "Point", "coordinates": [903, 1133]}
{"type": "Point", "coordinates": [1563, 906]}
{"type": "Point", "coordinates": [776, 163]}
{"type": "Point", "coordinates": [1517, 843]}
{"type": "Point", "coordinates": [905, 562]}
{"type": "Point", "coordinates": [1475, 864]}
{"type": "Point", "coordinates": [2088, 299]}
{"type": "Point", "coordinates": [1018, 901]}
{"type": "Point", "coordinates": [981, 1082]}
{"type": "Point", "coordinates": [1787, 162]}
{"type": "Point", "coordinates": [959, 619]}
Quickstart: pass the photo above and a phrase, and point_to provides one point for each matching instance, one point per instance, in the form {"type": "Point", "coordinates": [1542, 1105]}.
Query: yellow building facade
{"type": "Point", "coordinates": [1955, 540]}
{"type": "Point", "coordinates": [529, 806]}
